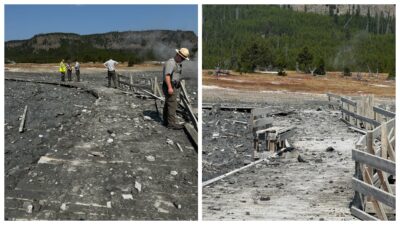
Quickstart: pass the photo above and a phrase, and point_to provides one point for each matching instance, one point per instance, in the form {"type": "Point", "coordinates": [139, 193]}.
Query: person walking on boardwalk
{"type": "Point", "coordinates": [62, 70]}
{"type": "Point", "coordinates": [69, 71]}
{"type": "Point", "coordinates": [77, 71]}
{"type": "Point", "coordinates": [110, 65]}
{"type": "Point", "coordinates": [171, 84]}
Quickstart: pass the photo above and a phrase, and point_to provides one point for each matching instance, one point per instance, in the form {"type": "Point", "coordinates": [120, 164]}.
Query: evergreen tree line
{"type": "Point", "coordinates": [250, 37]}
{"type": "Point", "coordinates": [76, 50]}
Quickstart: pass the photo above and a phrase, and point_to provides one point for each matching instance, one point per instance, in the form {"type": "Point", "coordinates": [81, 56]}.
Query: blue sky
{"type": "Point", "coordinates": [24, 21]}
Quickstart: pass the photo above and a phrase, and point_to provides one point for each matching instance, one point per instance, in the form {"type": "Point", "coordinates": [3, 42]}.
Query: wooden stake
{"type": "Point", "coordinates": [232, 172]}
{"type": "Point", "coordinates": [22, 124]}
{"type": "Point", "coordinates": [377, 205]}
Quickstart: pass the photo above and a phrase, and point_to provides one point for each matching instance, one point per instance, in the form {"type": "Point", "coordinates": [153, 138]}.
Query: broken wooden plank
{"type": "Point", "coordinates": [374, 161]}
{"type": "Point", "coordinates": [184, 92]}
{"type": "Point", "coordinates": [384, 181]}
{"type": "Point", "coordinates": [229, 107]}
{"type": "Point", "coordinates": [391, 153]}
{"type": "Point", "coordinates": [369, 208]}
{"type": "Point", "coordinates": [232, 172]}
{"type": "Point", "coordinates": [384, 112]}
{"type": "Point", "coordinates": [155, 96]}
{"type": "Point", "coordinates": [192, 133]}
{"type": "Point", "coordinates": [192, 117]}
{"type": "Point", "coordinates": [23, 118]}
{"type": "Point", "coordinates": [370, 190]}
{"type": "Point", "coordinates": [179, 147]}
{"type": "Point", "coordinates": [158, 90]}
{"type": "Point", "coordinates": [362, 215]}
{"type": "Point", "coordinates": [356, 129]}
{"type": "Point", "coordinates": [378, 207]}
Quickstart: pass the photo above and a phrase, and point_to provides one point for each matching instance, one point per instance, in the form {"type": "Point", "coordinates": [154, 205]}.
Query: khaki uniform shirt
{"type": "Point", "coordinates": [172, 68]}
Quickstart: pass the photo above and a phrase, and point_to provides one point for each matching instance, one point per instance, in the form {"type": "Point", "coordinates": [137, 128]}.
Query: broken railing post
{"type": "Point", "coordinates": [22, 124]}
{"type": "Point", "coordinates": [155, 86]}
{"type": "Point", "coordinates": [205, 183]}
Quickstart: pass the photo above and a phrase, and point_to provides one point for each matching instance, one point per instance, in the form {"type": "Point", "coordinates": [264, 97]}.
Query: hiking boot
{"type": "Point", "coordinates": [175, 126]}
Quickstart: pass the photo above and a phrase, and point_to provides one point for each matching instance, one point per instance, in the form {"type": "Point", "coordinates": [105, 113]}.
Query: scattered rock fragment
{"type": "Point", "coordinates": [246, 162]}
{"type": "Point", "coordinates": [28, 207]}
{"type": "Point", "coordinates": [63, 207]}
{"type": "Point", "coordinates": [178, 206]}
{"type": "Point", "coordinates": [150, 158]}
{"type": "Point", "coordinates": [330, 149]}
{"type": "Point", "coordinates": [267, 198]}
{"type": "Point", "coordinates": [147, 118]}
{"type": "Point", "coordinates": [110, 140]}
{"type": "Point", "coordinates": [127, 196]}
{"type": "Point", "coordinates": [214, 208]}
{"type": "Point", "coordinates": [318, 160]}
{"type": "Point", "coordinates": [99, 154]}
{"type": "Point", "coordinates": [109, 204]}
{"type": "Point", "coordinates": [138, 186]}
{"type": "Point", "coordinates": [174, 173]}
{"type": "Point", "coordinates": [215, 135]}
{"type": "Point", "coordinates": [170, 142]}
{"type": "Point", "coordinates": [300, 159]}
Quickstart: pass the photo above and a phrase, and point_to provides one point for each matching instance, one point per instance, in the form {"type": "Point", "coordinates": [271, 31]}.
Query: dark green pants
{"type": "Point", "coordinates": [170, 106]}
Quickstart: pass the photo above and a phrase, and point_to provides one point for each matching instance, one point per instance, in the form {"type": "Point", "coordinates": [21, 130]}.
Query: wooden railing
{"type": "Point", "coordinates": [375, 173]}
{"type": "Point", "coordinates": [375, 158]}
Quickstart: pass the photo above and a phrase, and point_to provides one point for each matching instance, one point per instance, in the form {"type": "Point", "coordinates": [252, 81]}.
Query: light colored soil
{"type": "Point", "coordinates": [333, 82]}
{"type": "Point", "coordinates": [85, 67]}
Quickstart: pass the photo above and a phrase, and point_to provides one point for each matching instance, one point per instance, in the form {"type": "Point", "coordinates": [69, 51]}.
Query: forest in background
{"type": "Point", "coordinates": [250, 37]}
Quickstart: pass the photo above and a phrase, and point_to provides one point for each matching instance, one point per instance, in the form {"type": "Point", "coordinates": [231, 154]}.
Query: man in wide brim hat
{"type": "Point", "coordinates": [171, 83]}
{"type": "Point", "coordinates": [183, 52]}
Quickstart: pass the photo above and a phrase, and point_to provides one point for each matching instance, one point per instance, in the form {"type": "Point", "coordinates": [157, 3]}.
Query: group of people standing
{"type": "Point", "coordinates": [171, 82]}
{"type": "Point", "coordinates": [67, 68]}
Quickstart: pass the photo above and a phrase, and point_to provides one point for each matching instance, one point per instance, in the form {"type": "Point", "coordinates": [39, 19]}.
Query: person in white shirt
{"type": "Point", "coordinates": [77, 71]}
{"type": "Point", "coordinates": [110, 65]}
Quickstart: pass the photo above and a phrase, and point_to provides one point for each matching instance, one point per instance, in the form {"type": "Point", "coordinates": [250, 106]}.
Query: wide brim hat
{"type": "Point", "coordinates": [183, 52]}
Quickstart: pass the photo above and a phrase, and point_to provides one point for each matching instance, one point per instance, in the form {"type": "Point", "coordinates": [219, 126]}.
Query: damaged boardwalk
{"type": "Point", "coordinates": [318, 187]}
{"type": "Point", "coordinates": [113, 161]}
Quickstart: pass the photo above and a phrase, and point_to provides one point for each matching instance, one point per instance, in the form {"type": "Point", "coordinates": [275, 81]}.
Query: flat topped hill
{"type": "Point", "coordinates": [147, 45]}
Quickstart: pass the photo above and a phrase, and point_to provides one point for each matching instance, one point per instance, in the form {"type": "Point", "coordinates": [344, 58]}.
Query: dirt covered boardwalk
{"type": "Point", "coordinates": [87, 158]}
{"type": "Point", "coordinates": [284, 189]}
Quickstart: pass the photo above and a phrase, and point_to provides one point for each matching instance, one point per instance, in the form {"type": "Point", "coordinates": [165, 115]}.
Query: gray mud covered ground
{"type": "Point", "coordinates": [87, 158]}
{"type": "Point", "coordinates": [284, 189]}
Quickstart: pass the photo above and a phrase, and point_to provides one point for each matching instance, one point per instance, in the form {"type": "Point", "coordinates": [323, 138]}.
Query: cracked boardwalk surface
{"type": "Point", "coordinates": [96, 166]}
{"type": "Point", "coordinates": [285, 189]}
